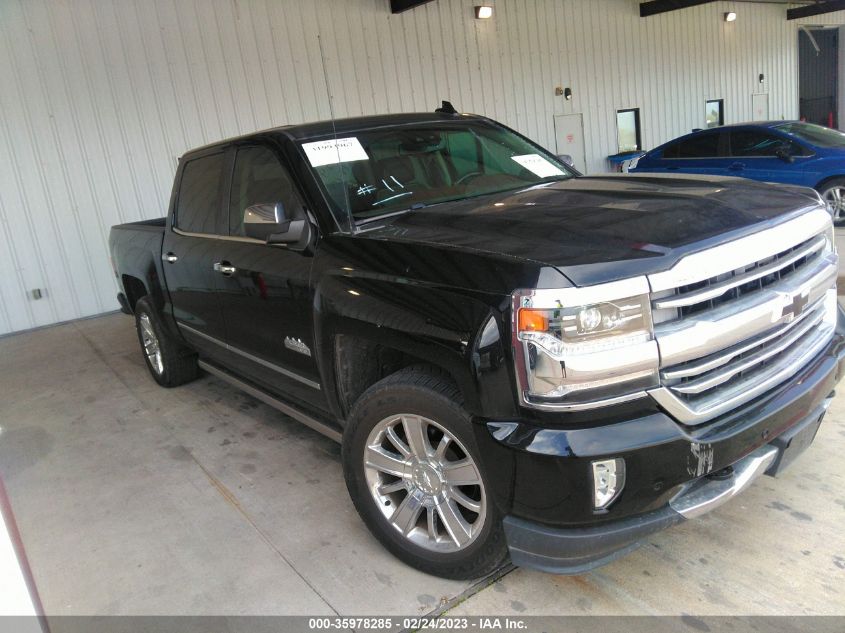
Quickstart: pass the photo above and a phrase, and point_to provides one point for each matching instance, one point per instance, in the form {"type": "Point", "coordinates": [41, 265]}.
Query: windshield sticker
{"type": "Point", "coordinates": [538, 165]}
{"type": "Point", "coordinates": [334, 151]}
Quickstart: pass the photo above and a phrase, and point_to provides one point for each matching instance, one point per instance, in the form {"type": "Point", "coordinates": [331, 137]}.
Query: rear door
{"type": "Point", "coordinates": [265, 290]}
{"type": "Point", "coordinates": [191, 246]}
{"type": "Point", "coordinates": [698, 154]}
{"type": "Point", "coordinates": [754, 154]}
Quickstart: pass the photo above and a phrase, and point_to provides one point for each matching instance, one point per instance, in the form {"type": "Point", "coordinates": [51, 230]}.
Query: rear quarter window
{"type": "Point", "coordinates": [198, 204]}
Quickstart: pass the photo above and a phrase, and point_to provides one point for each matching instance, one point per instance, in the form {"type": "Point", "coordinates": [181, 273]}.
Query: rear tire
{"type": "Point", "coordinates": [424, 496]}
{"type": "Point", "coordinates": [170, 363]}
{"type": "Point", "coordinates": [833, 192]}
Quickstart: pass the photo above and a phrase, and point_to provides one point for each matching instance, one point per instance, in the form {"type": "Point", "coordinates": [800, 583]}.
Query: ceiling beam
{"type": "Point", "coordinates": [398, 6]}
{"type": "Point", "coordinates": [815, 9]}
{"type": "Point", "coordinates": [662, 6]}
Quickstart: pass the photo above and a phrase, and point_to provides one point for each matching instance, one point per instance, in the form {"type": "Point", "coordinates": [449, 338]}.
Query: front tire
{"type": "Point", "coordinates": [833, 192]}
{"type": "Point", "coordinates": [413, 471]}
{"type": "Point", "coordinates": [170, 363]}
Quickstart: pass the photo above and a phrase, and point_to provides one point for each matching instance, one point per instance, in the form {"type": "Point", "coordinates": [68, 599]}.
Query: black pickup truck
{"type": "Point", "coordinates": [518, 360]}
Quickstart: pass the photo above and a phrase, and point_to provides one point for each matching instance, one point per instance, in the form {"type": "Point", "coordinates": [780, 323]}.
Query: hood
{"type": "Point", "coordinates": [596, 229]}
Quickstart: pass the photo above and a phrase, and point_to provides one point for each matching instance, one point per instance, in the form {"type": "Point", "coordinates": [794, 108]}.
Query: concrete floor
{"type": "Point", "coordinates": [132, 499]}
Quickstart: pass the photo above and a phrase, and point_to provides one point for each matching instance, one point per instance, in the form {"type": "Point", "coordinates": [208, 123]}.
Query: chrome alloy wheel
{"type": "Point", "coordinates": [151, 346]}
{"type": "Point", "coordinates": [835, 199]}
{"type": "Point", "coordinates": [425, 483]}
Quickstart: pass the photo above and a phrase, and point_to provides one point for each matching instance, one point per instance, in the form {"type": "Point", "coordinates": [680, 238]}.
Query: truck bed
{"type": "Point", "coordinates": [156, 224]}
{"type": "Point", "coordinates": [135, 250]}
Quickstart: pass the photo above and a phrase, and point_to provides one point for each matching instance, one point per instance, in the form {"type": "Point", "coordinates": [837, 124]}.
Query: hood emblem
{"type": "Point", "coordinates": [297, 345]}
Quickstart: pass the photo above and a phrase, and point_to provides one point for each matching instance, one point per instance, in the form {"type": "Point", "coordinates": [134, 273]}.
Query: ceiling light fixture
{"type": "Point", "coordinates": [483, 12]}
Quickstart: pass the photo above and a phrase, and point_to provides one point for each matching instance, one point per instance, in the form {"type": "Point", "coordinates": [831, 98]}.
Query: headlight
{"type": "Point", "coordinates": [577, 346]}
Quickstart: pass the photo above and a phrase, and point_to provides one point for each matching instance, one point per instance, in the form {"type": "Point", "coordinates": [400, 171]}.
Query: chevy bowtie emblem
{"type": "Point", "coordinates": [794, 309]}
{"type": "Point", "coordinates": [297, 345]}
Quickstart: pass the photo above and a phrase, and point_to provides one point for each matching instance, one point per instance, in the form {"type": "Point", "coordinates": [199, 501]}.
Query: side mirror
{"type": "Point", "coordinates": [262, 220]}
{"type": "Point", "coordinates": [566, 158]}
{"type": "Point", "coordinates": [270, 222]}
{"type": "Point", "coordinates": [297, 235]}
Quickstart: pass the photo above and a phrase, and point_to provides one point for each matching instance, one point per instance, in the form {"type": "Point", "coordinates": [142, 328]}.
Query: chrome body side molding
{"type": "Point", "coordinates": [255, 359]}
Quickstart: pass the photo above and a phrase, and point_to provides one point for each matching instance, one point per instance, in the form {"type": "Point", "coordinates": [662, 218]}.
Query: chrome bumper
{"type": "Point", "coordinates": [707, 494]}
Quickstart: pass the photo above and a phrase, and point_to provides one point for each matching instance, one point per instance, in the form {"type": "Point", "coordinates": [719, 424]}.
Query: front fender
{"type": "Point", "coordinates": [459, 331]}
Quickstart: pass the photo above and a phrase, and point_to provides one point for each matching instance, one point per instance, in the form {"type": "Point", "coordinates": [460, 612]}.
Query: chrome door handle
{"type": "Point", "coordinates": [170, 258]}
{"type": "Point", "coordinates": [224, 268]}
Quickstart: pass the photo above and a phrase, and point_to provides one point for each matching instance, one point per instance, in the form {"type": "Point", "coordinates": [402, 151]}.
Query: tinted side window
{"type": "Point", "coordinates": [672, 150]}
{"type": "Point", "coordinates": [701, 146]}
{"type": "Point", "coordinates": [259, 178]}
{"type": "Point", "coordinates": [754, 143]}
{"type": "Point", "coordinates": [198, 205]}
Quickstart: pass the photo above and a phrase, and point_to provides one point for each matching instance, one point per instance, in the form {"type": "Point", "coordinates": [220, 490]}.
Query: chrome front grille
{"type": "Point", "coordinates": [736, 321]}
{"type": "Point", "coordinates": [715, 291]}
{"type": "Point", "coordinates": [749, 368]}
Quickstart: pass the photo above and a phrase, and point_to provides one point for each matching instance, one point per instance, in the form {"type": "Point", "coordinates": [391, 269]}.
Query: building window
{"type": "Point", "coordinates": [714, 112]}
{"type": "Point", "coordinates": [628, 130]}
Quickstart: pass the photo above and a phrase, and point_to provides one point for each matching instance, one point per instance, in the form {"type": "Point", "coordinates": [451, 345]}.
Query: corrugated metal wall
{"type": "Point", "coordinates": [99, 97]}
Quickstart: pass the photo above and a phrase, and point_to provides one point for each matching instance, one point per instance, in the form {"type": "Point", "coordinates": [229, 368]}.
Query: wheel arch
{"type": "Point", "coordinates": [134, 289]}
{"type": "Point", "coordinates": [382, 327]}
{"type": "Point", "coordinates": [828, 179]}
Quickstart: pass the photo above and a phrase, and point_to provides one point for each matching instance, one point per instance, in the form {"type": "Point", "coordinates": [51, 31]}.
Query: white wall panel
{"type": "Point", "coordinates": [99, 97]}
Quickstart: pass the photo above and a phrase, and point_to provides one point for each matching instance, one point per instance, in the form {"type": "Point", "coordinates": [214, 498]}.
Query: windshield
{"type": "Point", "coordinates": [814, 134]}
{"type": "Point", "coordinates": [387, 170]}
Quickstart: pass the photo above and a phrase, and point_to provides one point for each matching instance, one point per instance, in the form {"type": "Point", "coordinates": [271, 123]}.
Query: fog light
{"type": "Point", "coordinates": [608, 481]}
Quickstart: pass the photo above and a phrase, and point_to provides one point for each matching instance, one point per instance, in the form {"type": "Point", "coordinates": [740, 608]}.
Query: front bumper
{"type": "Point", "coordinates": [670, 469]}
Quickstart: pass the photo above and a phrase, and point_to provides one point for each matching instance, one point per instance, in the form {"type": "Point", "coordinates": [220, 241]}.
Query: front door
{"type": "Point", "coordinates": [265, 290]}
{"type": "Point", "coordinates": [754, 154]}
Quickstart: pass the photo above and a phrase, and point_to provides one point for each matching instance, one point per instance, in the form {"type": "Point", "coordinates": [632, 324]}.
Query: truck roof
{"type": "Point", "coordinates": [317, 129]}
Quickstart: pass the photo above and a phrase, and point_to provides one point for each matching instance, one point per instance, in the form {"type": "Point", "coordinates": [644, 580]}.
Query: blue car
{"type": "Point", "coordinates": [790, 152]}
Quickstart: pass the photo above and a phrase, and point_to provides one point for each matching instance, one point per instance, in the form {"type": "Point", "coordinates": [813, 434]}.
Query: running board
{"type": "Point", "coordinates": [307, 420]}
